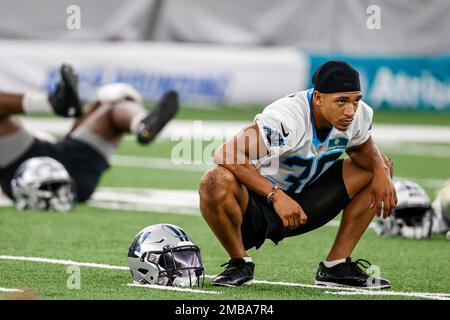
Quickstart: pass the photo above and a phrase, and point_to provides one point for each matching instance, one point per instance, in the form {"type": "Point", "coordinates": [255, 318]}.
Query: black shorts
{"type": "Point", "coordinates": [84, 164]}
{"type": "Point", "coordinates": [322, 201]}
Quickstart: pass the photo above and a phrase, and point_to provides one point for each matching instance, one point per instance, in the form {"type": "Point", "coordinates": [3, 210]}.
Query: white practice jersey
{"type": "Point", "coordinates": [296, 156]}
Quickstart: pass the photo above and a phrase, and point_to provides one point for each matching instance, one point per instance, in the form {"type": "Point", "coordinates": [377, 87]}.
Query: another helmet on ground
{"type": "Point", "coordinates": [42, 183]}
{"type": "Point", "coordinates": [164, 254]}
{"type": "Point", "coordinates": [441, 209]}
{"type": "Point", "coordinates": [412, 218]}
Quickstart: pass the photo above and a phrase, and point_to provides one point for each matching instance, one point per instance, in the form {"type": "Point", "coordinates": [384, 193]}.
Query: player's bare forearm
{"type": "Point", "coordinates": [383, 195]}
{"type": "Point", "coordinates": [237, 154]}
{"type": "Point", "coordinates": [368, 157]}
{"type": "Point", "coordinates": [290, 212]}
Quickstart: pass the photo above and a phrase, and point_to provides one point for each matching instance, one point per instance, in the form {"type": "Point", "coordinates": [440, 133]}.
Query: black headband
{"type": "Point", "coordinates": [336, 76]}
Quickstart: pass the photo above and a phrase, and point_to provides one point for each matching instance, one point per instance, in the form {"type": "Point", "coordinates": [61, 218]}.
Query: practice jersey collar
{"type": "Point", "coordinates": [317, 143]}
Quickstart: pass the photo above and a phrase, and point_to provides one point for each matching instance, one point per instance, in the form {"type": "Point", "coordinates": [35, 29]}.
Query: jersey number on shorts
{"type": "Point", "coordinates": [297, 182]}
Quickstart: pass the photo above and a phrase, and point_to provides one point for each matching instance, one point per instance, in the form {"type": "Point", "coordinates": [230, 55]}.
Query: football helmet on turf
{"type": "Point", "coordinates": [412, 218]}
{"type": "Point", "coordinates": [42, 183]}
{"type": "Point", "coordinates": [441, 208]}
{"type": "Point", "coordinates": [164, 254]}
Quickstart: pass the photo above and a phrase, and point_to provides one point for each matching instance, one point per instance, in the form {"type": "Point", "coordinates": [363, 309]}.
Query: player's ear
{"type": "Point", "coordinates": [318, 97]}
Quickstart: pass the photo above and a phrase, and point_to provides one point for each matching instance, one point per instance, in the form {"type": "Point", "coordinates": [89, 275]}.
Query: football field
{"type": "Point", "coordinates": [44, 251]}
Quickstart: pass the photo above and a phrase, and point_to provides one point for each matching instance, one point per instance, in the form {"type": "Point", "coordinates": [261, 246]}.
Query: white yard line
{"type": "Point", "coordinates": [350, 290]}
{"type": "Point", "coordinates": [64, 262]}
{"type": "Point", "coordinates": [140, 199]}
{"type": "Point", "coordinates": [426, 182]}
{"type": "Point", "coordinates": [10, 290]}
{"type": "Point", "coordinates": [417, 150]}
{"type": "Point", "coordinates": [356, 291]}
{"type": "Point", "coordinates": [156, 163]}
{"type": "Point", "coordinates": [150, 286]}
{"type": "Point", "coordinates": [384, 133]}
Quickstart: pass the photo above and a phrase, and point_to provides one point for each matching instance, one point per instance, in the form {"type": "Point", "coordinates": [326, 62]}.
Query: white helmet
{"type": "Point", "coordinates": [412, 218]}
{"type": "Point", "coordinates": [441, 208]}
{"type": "Point", "coordinates": [42, 183]}
{"type": "Point", "coordinates": [164, 254]}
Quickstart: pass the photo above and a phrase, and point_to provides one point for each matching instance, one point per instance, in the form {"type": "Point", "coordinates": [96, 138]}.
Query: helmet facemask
{"type": "Point", "coordinates": [181, 266]}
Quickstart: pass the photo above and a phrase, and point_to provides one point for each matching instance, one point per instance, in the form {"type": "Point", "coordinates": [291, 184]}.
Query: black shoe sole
{"type": "Point", "coordinates": [155, 121]}
{"type": "Point", "coordinates": [71, 82]}
{"type": "Point", "coordinates": [65, 100]}
{"type": "Point", "coordinates": [338, 285]}
{"type": "Point", "coordinates": [221, 284]}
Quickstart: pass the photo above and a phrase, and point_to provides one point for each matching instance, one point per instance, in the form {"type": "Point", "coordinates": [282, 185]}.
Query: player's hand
{"type": "Point", "coordinates": [383, 197]}
{"type": "Point", "coordinates": [289, 211]}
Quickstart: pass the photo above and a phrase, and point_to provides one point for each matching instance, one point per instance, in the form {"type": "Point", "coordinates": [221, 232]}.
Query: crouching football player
{"type": "Point", "coordinates": [84, 153]}
{"type": "Point", "coordinates": [245, 199]}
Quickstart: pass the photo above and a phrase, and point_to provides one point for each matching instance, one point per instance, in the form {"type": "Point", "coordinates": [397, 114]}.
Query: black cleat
{"type": "Point", "coordinates": [153, 123]}
{"type": "Point", "coordinates": [65, 100]}
{"type": "Point", "coordinates": [349, 274]}
{"type": "Point", "coordinates": [237, 273]}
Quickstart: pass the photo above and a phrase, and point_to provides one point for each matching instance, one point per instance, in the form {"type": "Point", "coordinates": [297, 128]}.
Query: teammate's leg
{"type": "Point", "coordinates": [109, 120]}
{"type": "Point", "coordinates": [63, 101]}
{"type": "Point", "coordinates": [10, 104]}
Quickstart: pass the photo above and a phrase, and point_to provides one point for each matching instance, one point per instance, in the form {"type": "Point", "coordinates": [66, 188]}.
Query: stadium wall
{"type": "Point", "coordinates": [421, 83]}
{"type": "Point", "coordinates": [414, 27]}
{"type": "Point", "coordinates": [219, 75]}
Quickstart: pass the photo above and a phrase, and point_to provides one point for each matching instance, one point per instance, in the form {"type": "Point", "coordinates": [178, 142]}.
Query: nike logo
{"type": "Point", "coordinates": [284, 132]}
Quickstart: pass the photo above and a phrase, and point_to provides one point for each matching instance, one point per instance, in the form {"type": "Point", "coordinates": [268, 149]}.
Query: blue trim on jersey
{"type": "Point", "coordinates": [322, 170]}
{"type": "Point", "coordinates": [271, 136]}
{"type": "Point", "coordinates": [271, 180]}
{"type": "Point", "coordinates": [289, 183]}
{"type": "Point", "coordinates": [317, 143]}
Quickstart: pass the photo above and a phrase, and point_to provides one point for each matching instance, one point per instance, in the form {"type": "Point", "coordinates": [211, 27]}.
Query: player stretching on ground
{"type": "Point", "coordinates": [86, 150]}
{"type": "Point", "coordinates": [306, 132]}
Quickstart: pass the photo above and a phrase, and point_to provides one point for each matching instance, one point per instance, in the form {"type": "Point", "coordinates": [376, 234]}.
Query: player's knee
{"type": "Point", "coordinates": [356, 178]}
{"type": "Point", "coordinates": [215, 185]}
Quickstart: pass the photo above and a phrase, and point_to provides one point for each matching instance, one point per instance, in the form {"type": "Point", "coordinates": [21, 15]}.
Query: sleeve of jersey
{"type": "Point", "coordinates": [362, 126]}
{"type": "Point", "coordinates": [278, 129]}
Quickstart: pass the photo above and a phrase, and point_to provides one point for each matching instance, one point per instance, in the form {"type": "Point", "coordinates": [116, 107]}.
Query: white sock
{"type": "Point", "coordinates": [36, 102]}
{"type": "Point", "coordinates": [136, 120]}
{"type": "Point", "coordinates": [333, 263]}
{"type": "Point", "coordinates": [248, 259]}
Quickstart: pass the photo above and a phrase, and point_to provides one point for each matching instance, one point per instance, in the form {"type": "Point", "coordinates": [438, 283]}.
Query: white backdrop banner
{"type": "Point", "coordinates": [202, 74]}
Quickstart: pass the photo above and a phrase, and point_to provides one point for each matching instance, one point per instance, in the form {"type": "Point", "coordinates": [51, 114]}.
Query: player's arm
{"type": "Point", "coordinates": [383, 195]}
{"type": "Point", "coordinates": [237, 154]}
